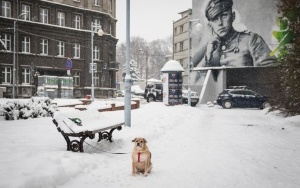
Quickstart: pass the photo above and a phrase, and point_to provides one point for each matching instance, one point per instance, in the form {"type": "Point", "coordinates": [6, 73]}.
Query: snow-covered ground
{"type": "Point", "coordinates": [191, 147]}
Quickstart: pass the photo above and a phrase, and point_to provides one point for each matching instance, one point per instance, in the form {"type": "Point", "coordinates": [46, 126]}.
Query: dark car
{"type": "Point", "coordinates": [194, 97]}
{"type": "Point", "coordinates": [153, 92]}
{"type": "Point", "coordinates": [244, 98]}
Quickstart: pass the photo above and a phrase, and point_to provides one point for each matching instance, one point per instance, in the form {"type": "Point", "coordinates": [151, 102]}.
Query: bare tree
{"type": "Point", "coordinates": [152, 54]}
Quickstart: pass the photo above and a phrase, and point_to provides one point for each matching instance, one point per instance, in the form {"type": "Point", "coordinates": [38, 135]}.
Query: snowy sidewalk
{"type": "Point", "coordinates": [191, 147]}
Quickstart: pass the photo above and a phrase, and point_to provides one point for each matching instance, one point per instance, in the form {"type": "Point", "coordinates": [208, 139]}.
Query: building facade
{"type": "Point", "coordinates": [47, 33]}
{"type": "Point", "coordinates": [180, 41]}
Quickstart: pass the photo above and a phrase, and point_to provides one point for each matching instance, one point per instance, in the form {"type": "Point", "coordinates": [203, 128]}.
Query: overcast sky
{"type": "Point", "coordinates": [149, 19]}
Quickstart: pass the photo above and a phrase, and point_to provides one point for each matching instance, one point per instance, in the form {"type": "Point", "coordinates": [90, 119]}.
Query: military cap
{"type": "Point", "coordinates": [215, 7]}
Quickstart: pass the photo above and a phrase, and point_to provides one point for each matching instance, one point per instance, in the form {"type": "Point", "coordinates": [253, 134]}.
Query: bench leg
{"type": "Point", "coordinates": [74, 145]}
{"type": "Point", "coordinates": [108, 135]}
{"type": "Point", "coordinates": [69, 146]}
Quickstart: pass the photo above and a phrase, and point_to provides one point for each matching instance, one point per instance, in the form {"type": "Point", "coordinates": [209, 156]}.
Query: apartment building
{"type": "Point", "coordinates": [39, 36]}
{"type": "Point", "coordinates": [180, 41]}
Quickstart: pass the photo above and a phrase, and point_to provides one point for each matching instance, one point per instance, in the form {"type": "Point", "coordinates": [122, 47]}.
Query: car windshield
{"type": "Point", "coordinates": [158, 86]}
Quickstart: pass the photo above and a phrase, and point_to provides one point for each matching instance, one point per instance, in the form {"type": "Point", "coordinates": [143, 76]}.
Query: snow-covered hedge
{"type": "Point", "coordinates": [33, 108]}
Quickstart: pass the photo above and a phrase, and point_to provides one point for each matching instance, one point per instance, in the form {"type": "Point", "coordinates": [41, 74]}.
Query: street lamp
{"type": "Point", "coordinates": [14, 57]}
{"type": "Point", "coordinates": [198, 26]}
{"type": "Point", "coordinates": [127, 104]}
{"type": "Point", "coordinates": [100, 33]}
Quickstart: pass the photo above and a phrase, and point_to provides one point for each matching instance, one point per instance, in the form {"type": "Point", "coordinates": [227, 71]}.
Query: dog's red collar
{"type": "Point", "coordinates": [139, 157]}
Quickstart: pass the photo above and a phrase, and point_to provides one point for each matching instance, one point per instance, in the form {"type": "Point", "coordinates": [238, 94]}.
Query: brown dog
{"type": "Point", "coordinates": [141, 157]}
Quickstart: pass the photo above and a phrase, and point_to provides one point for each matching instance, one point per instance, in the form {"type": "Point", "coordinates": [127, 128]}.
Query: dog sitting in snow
{"type": "Point", "coordinates": [141, 157]}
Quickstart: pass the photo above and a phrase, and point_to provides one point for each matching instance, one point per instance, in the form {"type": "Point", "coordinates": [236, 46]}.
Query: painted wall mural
{"type": "Point", "coordinates": [238, 35]}
{"type": "Point", "coordinates": [235, 33]}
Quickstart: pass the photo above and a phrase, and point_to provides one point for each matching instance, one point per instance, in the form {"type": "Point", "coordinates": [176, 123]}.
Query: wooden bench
{"type": "Point", "coordinates": [76, 145]}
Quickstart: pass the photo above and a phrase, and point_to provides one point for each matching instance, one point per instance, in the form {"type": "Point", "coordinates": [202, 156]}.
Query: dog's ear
{"type": "Point", "coordinates": [145, 141]}
{"type": "Point", "coordinates": [133, 140]}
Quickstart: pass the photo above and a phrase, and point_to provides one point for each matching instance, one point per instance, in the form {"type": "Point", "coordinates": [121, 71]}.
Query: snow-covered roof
{"type": "Point", "coordinates": [172, 66]}
{"type": "Point", "coordinates": [154, 80]}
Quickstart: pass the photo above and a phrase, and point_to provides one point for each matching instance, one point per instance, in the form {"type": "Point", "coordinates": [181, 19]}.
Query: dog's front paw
{"type": "Point", "coordinates": [145, 174]}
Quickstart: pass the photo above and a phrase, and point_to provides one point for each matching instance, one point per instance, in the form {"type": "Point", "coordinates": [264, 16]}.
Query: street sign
{"type": "Point", "coordinates": [94, 67]}
{"type": "Point", "coordinates": [69, 64]}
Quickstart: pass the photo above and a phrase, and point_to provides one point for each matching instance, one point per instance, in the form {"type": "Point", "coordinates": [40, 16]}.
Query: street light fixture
{"type": "Point", "coordinates": [14, 57]}
{"type": "Point", "coordinates": [198, 27]}
{"type": "Point", "coordinates": [100, 33]}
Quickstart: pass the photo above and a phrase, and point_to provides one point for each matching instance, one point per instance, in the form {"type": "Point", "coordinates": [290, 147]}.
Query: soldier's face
{"type": "Point", "coordinates": [222, 23]}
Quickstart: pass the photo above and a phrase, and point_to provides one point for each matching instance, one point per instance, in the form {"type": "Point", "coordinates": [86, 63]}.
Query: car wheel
{"type": "Point", "coordinates": [151, 98]}
{"type": "Point", "coordinates": [265, 105]}
{"type": "Point", "coordinates": [227, 104]}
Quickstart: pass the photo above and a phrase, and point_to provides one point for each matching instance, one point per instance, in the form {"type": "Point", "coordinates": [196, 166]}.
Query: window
{"type": "Point", "coordinates": [175, 47]}
{"type": "Point", "coordinates": [6, 38]}
{"type": "Point", "coordinates": [175, 31]}
{"type": "Point", "coordinates": [77, 21]}
{"type": "Point", "coordinates": [76, 78]}
{"type": "Point", "coordinates": [181, 29]}
{"type": "Point", "coordinates": [76, 50]}
{"type": "Point", "coordinates": [61, 18]}
{"type": "Point", "coordinates": [6, 75]}
{"type": "Point", "coordinates": [25, 44]}
{"type": "Point", "coordinates": [61, 48]}
{"type": "Point", "coordinates": [96, 25]}
{"type": "Point", "coordinates": [44, 15]}
{"type": "Point", "coordinates": [6, 9]}
{"type": "Point", "coordinates": [26, 10]}
{"type": "Point", "coordinates": [25, 76]}
{"type": "Point", "coordinates": [44, 47]}
{"type": "Point", "coordinates": [96, 2]}
{"type": "Point", "coordinates": [110, 28]}
{"type": "Point", "coordinates": [181, 46]}
{"type": "Point", "coordinates": [96, 79]}
{"type": "Point", "coordinates": [110, 5]}
{"type": "Point", "coordinates": [96, 52]}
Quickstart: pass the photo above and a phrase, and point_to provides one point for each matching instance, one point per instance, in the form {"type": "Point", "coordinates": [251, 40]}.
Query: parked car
{"type": "Point", "coordinates": [153, 92]}
{"type": "Point", "coordinates": [136, 90]}
{"type": "Point", "coordinates": [244, 98]}
{"type": "Point", "coordinates": [194, 97]}
{"type": "Point", "coordinates": [119, 93]}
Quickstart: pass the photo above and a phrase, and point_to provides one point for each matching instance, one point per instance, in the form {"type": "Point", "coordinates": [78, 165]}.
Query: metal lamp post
{"type": "Point", "coordinates": [14, 57]}
{"type": "Point", "coordinates": [191, 23]}
{"type": "Point", "coordinates": [100, 33]}
{"type": "Point", "coordinates": [127, 77]}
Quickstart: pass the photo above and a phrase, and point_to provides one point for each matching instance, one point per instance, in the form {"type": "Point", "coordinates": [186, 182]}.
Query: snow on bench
{"type": "Point", "coordinates": [86, 124]}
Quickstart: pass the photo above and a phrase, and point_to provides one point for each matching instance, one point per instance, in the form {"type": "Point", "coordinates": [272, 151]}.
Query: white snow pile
{"type": "Point", "coordinates": [171, 66]}
{"type": "Point", "coordinates": [91, 120]}
{"type": "Point", "coordinates": [22, 109]}
{"type": "Point", "coordinates": [191, 147]}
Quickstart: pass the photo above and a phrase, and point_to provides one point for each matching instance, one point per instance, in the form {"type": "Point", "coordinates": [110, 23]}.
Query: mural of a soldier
{"type": "Point", "coordinates": [229, 47]}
